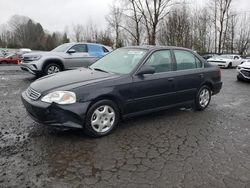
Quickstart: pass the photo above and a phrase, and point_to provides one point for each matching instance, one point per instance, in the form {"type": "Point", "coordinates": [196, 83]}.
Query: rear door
{"type": "Point", "coordinates": [189, 75]}
{"type": "Point", "coordinates": [156, 90]}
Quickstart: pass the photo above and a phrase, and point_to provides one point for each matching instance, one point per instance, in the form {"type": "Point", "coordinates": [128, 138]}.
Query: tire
{"type": "Point", "coordinates": [3, 62]}
{"type": "Point", "coordinates": [102, 118]}
{"type": "Point", "coordinates": [239, 79]}
{"type": "Point", "coordinates": [52, 68]}
{"type": "Point", "coordinates": [230, 65]}
{"type": "Point", "coordinates": [202, 102]}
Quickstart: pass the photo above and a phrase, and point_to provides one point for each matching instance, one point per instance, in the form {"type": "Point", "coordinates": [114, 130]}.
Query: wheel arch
{"type": "Point", "coordinates": [54, 60]}
{"type": "Point", "coordinates": [110, 97]}
{"type": "Point", "coordinates": [209, 84]}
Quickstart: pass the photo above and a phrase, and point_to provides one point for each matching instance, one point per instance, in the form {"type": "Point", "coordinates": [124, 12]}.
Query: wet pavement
{"type": "Point", "coordinates": [173, 148]}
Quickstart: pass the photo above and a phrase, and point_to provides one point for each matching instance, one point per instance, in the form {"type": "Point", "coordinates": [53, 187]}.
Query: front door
{"type": "Point", "coordinates": [77, 59]}
{"type": "Point", "coordinates": [151, 91]}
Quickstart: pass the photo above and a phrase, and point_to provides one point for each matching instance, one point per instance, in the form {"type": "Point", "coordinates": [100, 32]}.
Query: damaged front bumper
{"type": "Point", "coordinates": [56, 115]}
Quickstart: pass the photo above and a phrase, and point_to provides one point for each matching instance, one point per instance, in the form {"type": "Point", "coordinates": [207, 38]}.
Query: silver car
{"type": "Point", "coordinates": [64, 57]}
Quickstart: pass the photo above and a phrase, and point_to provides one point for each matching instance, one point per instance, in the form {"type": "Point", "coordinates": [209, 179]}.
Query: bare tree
{"type": "Point", "coordinates": [153, 12]}
{"type": "Point", "coordinates": [233, 22]}
{"type": "Point", "coordinates": [224, 7]}
{"type": "Point", "coordinates": [77, 33]}
{"type": "Point", "coordinates": [243, 40]}
{"type": "Point", "coordinates": [176, 28]}
{"type": "Point", "coordinates": [132, 21]}
{"type": "Point", "coordinates": [230, 33]}
{"type": "Point", "coordinates": [114, 20]}
{"type": "Point", "coordinates": [215, 20]}
{"type": "Point", "coordinates": [90, 32]}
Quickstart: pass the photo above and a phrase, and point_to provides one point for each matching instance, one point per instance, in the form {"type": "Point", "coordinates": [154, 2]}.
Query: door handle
{"type": "Point", "coordinates": [171, 79]}
{"type": "Point", "coordinates": [201, 75]}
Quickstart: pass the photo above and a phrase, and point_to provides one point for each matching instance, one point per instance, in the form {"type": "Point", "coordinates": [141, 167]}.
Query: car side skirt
{"type": "Point", "coordinates": [187, 103]}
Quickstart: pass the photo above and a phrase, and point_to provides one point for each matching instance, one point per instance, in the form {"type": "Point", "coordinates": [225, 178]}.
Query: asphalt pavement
{"type": "Point", "coordinates": [173, 148]}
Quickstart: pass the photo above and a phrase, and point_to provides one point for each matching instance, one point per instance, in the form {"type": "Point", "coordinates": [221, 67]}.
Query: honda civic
{"type": "Point", "coordinates": [129, 81]}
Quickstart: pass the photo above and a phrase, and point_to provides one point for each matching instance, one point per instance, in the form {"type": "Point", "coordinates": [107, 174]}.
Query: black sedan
{"type": "Point", "coordinates": [127, 82]}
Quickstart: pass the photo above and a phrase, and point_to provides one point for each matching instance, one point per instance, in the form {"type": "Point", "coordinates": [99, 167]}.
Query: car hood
{"type": "Point", "coordinates": [245, 65]}
{"type": "Point", "coordinates": [218, 59]}
{"type": "Point", "coordinates": [70, 79]}
{"type": "Point", "coordinates": [27, 55]}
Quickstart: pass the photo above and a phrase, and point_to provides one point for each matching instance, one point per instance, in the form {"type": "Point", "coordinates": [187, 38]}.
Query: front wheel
{"type": "Point", "coordinates": [203, 98]}
{"type": "Point", "coordinates": [3, 62]}
{"type": "Point", "coordinates": [52, 68]}
{"type": "Point", "coordinates": [102, 118]}
{"type": "Point", "coordinates": [238, 78]}
{"type": "Point", "coordinates": [230, 65]}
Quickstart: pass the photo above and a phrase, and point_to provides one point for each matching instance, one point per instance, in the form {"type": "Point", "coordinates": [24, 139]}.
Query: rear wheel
{"type": "Point", "coordinates": [203, 98]}
{"type": "Point", "coordinates": [52, 68]}
{"type": "Point", "coordinates": [102, 118]}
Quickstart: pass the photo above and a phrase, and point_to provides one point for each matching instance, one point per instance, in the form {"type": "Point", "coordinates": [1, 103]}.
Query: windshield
{"type": "Point", "coordinates": [10, 55]}
{"type": "Point", "coordinates": [226, 56]}
{"type": "Point", "coordinates": [61, 48]}
{"type": "Point", "coordinates": [121, 61]}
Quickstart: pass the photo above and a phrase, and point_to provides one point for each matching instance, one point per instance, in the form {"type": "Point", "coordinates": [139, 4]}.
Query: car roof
{"type": "Point", "coordinates": [74, 43]}
{"type": "Point", "coordinates": [152, 47]}
{"type": "Point", "coordinates": [231, 54]}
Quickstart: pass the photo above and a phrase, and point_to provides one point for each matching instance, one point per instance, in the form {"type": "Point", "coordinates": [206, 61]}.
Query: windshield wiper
{"type": "Point", "coordinates": [97, 69]}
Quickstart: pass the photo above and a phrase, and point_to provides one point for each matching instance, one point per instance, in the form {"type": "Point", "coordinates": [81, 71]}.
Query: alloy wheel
{"type": "Point", "coordinates": [103, 119]}
{"type": "Point", "coordinates": [53, 69]}
{"type": "Point", "coordinates": [204, 97]}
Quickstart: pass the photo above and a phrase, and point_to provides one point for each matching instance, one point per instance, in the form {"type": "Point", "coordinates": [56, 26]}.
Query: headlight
{"type": "Point", "coordinates": [34, 58]}
{"type": "Point", "coordinates": [60, 97]}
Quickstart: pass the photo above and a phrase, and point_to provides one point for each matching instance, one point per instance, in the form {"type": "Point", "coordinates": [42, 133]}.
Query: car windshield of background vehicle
{"type": "Point", "coordinates": [9, 56]}
{"type": "Point", "coordinates": [121, 61]}
{"type": "Point", "coordinates": [226, 56]}
{"type": "Point", "coordinates": [61, 48]}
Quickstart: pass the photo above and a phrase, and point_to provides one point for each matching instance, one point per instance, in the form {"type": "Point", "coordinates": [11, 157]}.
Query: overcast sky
{"type": "Point", "coordinates": [54, 15]}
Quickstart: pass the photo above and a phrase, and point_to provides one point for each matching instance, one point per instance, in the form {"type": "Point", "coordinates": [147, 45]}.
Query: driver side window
{"type": "Point", "coordinates": [161, 61]}
{"type": "Point", "coordinates": [80, 48]}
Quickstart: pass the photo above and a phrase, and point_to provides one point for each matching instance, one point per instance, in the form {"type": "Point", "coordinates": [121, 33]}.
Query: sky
{"type": "Point", "coordinates": [55, 15]}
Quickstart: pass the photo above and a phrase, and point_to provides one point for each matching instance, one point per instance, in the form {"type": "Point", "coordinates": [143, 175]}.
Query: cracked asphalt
{"type": "Point", "coordinates": [173, 148]}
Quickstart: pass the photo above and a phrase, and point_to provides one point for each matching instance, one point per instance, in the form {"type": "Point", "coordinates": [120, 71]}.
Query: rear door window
{"type": "Point", "coordinates": [185, 60]}
{"type": "Point", "coordinates": [95, 50]}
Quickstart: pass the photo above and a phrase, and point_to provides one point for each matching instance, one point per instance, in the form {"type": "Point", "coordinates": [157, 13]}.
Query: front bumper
{"type": "Point", "coordinates": [244, 74]}
{"type": "Point", "coordinates": [31, 68]}
{"type": "Point", "coordinates": [220, 64]}
{"type": "Point", "coordinates": [71, 116]}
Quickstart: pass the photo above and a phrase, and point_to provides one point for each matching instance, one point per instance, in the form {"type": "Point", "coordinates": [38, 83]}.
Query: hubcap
{"type": "Point", "coordinates": [53, 69]}
{"type": "Point", "coordinates": [204, 98]}
{"type": "Point", "coordinates": [103, 119]}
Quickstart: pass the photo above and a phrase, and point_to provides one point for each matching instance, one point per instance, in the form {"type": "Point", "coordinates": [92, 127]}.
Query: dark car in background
{"type": "Point", "coordinates": [129, 81]}
{"type": "Point", "coordinates": [64, 57]}
{"type": "Point", "coordinates": [10, 59]}
{"type": "Point", "coordinates": [208, 56]}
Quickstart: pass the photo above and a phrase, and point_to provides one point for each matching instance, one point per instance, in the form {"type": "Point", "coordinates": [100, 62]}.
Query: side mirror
{"type": "Point", "coordinates": [146, 70]}
{"type": "Point", "coordinates": [71, 51]}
